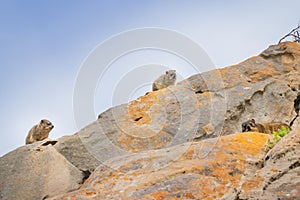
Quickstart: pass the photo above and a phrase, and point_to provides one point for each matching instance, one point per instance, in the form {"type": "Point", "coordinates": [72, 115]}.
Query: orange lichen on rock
{"type": "Point", "coordinates": [140, 109]}
{"type": "Point", "coordinates": [157, 195]}
{"type": "Point", "coordinates": [253, 183]}
{"type": "Point", "coordinates": [264, 73]}
{"type": "Point", "coordinates": [193, 174]}
{"type": "Point", "coordinates": [246, 142]}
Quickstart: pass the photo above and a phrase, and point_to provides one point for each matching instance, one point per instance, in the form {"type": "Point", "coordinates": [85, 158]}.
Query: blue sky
{"type": "Point", "coordinates": [44, 43]}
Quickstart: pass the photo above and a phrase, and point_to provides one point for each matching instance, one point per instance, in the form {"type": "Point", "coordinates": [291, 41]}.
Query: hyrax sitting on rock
{"type": "Point", "coordinates": [165, 80]}
{"type": "Point", "coordinates": [39, 132]}
{"type": "Point", "coordinates": [268, 128]}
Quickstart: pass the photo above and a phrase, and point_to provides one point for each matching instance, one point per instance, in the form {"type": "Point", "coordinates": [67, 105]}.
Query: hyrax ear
{"type": "Point", "coordinates": [42, 121]}
{"type": "Point", "coordinates": [253, 120]}
{"type": "Point", "coordinates": [167, 72]}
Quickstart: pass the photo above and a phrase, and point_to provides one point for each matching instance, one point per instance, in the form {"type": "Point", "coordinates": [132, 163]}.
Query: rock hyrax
{"type": "Point", "coordinates": [165, 80]}
{"type": "Point", "coordinates": [268, 128]}
{"type": "Point", "coordinates": [39, 132]}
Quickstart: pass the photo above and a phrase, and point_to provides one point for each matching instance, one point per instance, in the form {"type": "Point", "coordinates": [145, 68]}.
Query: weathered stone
{"type": "Point", "coordinates": [221, 99]}
{"type": "Point", "coordinates": [211, 169]}
{"type": "Point", "coordinates": [203, 106]}
{"type": "Point", "coordinates": [279, 178]}
{"type": "Point", "coordinates": [144, 149]}
{"type": "Point", "coordinates": [36, 171]}
{"type": "Point", "coordinates": [76, 153]}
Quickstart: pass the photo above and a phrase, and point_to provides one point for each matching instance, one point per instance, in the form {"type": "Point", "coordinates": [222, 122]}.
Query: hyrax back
{"type": "Point", "coordinates": [39, 132]}
{"type": "Point", "coordinates": [268, 128]}
{"type": "Point", "coordinates": [165, 80]}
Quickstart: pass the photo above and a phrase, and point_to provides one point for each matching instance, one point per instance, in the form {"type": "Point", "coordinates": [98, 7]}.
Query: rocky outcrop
{"type": "Point", "coordinates": [36, 171]}
{"type": "Point", "coordinates": [179, 142]}
{"type": "Point", "coordinates": [236, 166]}
{"type": "Point", "coordinates": [211, 104]}
{"type": "Point", "coordinates": [211, 169]}
{"type": "Point", "coordinates": [279, 178]}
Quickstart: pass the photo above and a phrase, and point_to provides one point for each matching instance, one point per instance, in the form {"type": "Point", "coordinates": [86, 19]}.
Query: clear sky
{"type": "Point", "coordinates": [44, 43]}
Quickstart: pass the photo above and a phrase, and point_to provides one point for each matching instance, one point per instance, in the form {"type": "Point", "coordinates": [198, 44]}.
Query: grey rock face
{"type": "Point", "coordinates": [186, 171]}
{"type": "Point", "coordinates": [214, 103]}
{"type": "Point", "coordinates": [76, 153]}
{"type": "Point", "coordinates": [36, 171]}
{"type": "Point", "coordinates": [210, 105]}
{"type": "Point", "coordinates": [279, 176]}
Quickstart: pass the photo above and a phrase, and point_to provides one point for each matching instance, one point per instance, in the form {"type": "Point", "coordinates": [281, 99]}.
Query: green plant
{"type": "Point", "coordinates": [278, 135]}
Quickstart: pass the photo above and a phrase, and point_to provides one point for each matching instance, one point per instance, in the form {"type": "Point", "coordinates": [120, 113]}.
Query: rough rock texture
{"type": "Point", "coordinates": [279, 178]}
{"type": "Point", "coordinates": [265, 87]}
{"type": "Point", "coordinates": [36, 171]}
{"type": "Point", "coordinates": [174, 142]}
{"type": "Point", "coordinates": [75, 151]}
{"type": "Point", "coordinates": [210, 169]}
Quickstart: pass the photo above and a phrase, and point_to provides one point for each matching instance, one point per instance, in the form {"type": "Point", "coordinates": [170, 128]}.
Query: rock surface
{"type": "Point", "coordinates": [279, 178]}
{"type": "Point", "coordinates": [178, 142]}
{"type": "Point", "coordinates": [265, 87]}
{"type": "Point", "coordinates": [36, 171]}
{"type": "Point", "coordinates": [211, 169]}
{"type": "Point", "coordinates": [75, 151]}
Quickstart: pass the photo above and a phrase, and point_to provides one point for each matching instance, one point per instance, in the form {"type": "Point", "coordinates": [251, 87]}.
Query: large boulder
{"type": "Point", "coordinates": [36, 171]}
{"type": "Point", "coordinates": [211, 169]}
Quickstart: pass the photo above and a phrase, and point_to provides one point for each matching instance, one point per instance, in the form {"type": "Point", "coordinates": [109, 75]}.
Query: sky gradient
{"type": "Point", "coordinates": [44, 43]}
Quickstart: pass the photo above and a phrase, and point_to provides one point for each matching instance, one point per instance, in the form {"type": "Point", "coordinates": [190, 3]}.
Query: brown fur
{"type": "Point", "coordinates": [39, 132]}
{"type": "Point", "coordinates": [165, 80]}
{"type": "Point", "coordinates": [268, 128]}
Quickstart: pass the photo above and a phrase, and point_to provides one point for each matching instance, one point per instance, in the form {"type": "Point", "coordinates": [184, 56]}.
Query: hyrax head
{"type": "Point", "coordinates": [249, 126]}
{"type": "Point", "coordinates": [46, 124]}
{"type": "Point", "coordinates": [171, 74]}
